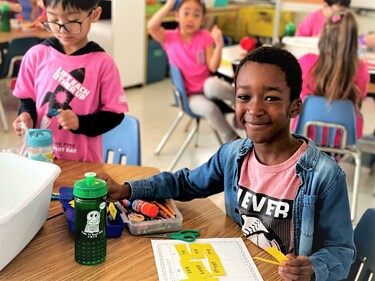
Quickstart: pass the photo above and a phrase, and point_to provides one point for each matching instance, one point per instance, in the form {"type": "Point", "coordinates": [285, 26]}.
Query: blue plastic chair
{"type": "Point", "coordinates": [11, 56]}
{"type": "Point", "coordinates": [17, 48]}
{"type": "Point", "coordinates": [123, 141]}
{"type": "Point", "coordinates": [181, 100]}
{"type": "Point", "coordinates": [366, 145]}
{"type": "Point", "coordinates": [364, 239]}
{"type": "Point", "coordinates": [337, 116]}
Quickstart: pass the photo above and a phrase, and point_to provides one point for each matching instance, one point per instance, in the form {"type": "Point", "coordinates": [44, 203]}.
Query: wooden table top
{"type": "Point", "coordinates": [25, 32]}
{"type": "Point", "coordinates": [50, 255]}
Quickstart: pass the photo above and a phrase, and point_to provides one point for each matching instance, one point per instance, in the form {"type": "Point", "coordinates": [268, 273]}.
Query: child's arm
{"type": "Point", "coordinates": [154, 26]}
{"type": "Point", "coordinates": [370, 40]}
{"type": "Point", "coordinates": [14, 7]}
{"type": "Point", "coordinates": [213, 54]}
{"type": "Point", "coordinates": [93, 125]}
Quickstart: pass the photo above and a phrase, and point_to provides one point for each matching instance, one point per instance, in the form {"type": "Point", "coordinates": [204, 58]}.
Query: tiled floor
{"type": "Point", "coordinates": [152, 106]}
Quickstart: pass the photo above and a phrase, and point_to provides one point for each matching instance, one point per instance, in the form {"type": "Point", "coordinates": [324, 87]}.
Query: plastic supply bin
{"type": "Point", "coordinates": [156, 62]}
{"type": "Point", "coordinates": [261, 21]}
{"type": "Point", "coordinates": [25, 196]}
{"type": "Point", "coordinates": [157, 226]}
{"type": "Point", "coordinates": [66, 195]}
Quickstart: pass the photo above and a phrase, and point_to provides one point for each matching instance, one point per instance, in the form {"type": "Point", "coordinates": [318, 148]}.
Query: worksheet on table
{"type": "Point", "coordinates": [232, 253]}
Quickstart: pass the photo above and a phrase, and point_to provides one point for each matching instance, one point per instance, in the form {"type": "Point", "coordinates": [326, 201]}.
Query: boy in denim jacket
{"type": "Point", "coordinates": [278, 187]}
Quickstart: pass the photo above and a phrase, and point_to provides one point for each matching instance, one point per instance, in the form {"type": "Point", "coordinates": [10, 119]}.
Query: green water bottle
{"type": "Point", "coordinates": [90, 220]}
{"type": "Point", "coordinates": [5, 17]}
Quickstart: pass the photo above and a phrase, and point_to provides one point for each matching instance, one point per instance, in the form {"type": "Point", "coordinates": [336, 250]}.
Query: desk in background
{"type": "Point", "coordinates": [25, 32]}
{"type": "Point", "coordinates": [50, 255]}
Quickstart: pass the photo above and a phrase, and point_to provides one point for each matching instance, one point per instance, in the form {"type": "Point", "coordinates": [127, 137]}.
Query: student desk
{"type": "Point", "coordinates": [25, 32]}
{"type": "Point", "coordinates": [50, 255]}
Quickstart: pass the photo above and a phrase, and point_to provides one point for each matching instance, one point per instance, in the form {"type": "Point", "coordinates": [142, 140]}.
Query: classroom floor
{"type": "Point", "coordinates": [151, 104]}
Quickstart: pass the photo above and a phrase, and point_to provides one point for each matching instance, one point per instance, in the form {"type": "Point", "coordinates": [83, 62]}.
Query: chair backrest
{"type": "Point", "coordinates": [336, 116]}
{"type": "Point", "coordinates": [17, 48]}
{"type": "Point", "coordinates": [179, 90]}
{"type": "Point", "coordinates": [364, 239]}
{"type": "Point", "coordinates": [123, 141]}
{"type": "Point", "coordinates": [180, 94]}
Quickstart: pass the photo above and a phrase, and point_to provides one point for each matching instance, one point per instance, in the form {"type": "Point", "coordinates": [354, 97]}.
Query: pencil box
{"type": "Point", "coordinates": [156, 226]}
{"type": "Point", "coordinates": [114, 230]}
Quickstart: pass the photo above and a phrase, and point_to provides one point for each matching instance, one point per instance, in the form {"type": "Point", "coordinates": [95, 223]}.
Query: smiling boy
{"type": "Point", "coordinates": [278, 187]}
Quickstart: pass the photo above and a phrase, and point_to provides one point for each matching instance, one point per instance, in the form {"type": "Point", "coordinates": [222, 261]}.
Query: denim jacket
{"type": "Point", "coordinates": [321, 216]}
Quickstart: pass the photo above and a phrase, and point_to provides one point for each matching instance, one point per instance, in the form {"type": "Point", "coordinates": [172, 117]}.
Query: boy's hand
{"type": "Point", "coordinates": [24, 117]}
{"type": "Point", "coordinates": [296, 268]}
{"type": "Point", "coordinates": [68, 119]}
{"type": "Point", "coordinates": [115, 191]}
{"type": "Point", "coordinates": [217, 35]}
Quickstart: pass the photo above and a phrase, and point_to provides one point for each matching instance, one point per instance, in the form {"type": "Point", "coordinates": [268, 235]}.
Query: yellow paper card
{"type": "Point", "coordinates": [183, 252]}
{"type": "Point", "coordinates": [217, 268]}
{"type": "Point", "coordinates": [195, 269]}
{"type": "Point", "coordinates": [276, 254]}
{"type": "Point", "coordinates": [209, 251]}
{"type": "Point", "coordinates": [266, 260]}
{"type": "Point", "coordinates": [279, 256]}
{"type": "Point", "coordinates": [197, 251]}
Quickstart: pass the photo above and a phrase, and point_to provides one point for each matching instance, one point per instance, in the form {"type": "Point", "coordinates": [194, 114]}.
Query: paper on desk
{"type": "Point", "coordinates": [232, 252]}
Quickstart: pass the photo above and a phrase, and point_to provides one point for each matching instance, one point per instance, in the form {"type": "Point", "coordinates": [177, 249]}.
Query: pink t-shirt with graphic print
{"type": "Point", "coordinates": [189, 57]}
{"type": "Point", "coordinates": [86, 84]}
{"type": "Point", "coordinates": [312, 25]}
{"type": "Point", "coordinates": [265, 199]}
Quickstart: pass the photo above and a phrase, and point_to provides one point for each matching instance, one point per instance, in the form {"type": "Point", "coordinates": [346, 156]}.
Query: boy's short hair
{"type": "Point", "coordinates": [281, 58]}
{"type": "Point", "coordinates": [343, 3]}
{"type": "Point", "coordinates": [80, 5]}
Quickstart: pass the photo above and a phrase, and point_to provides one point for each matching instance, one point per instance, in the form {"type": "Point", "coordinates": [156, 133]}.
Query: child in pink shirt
{"type": "Point", "coordinates": [197, 54]}
{"type": "Point", "coordinates": [337, 72]}
{"type": "Point", "coordinates": [313, 24]}
{"type": "Point", "coordinates": [70, 85]}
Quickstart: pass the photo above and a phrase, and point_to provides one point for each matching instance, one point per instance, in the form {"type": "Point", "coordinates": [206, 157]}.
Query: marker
{"type": "Point", "coordinates": [121, 211]}
{"type": "Point", "coordinates": [126, 203]}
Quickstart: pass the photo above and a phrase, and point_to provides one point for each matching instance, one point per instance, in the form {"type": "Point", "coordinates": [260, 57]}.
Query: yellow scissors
{"type": "Point", "coordinates": [187, 235]}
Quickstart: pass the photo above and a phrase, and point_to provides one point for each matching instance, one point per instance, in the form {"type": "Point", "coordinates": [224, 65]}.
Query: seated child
{"type": "Point", "coordinates": [313, 24]}
{"type": "Point", "coordinates": [278, 187]}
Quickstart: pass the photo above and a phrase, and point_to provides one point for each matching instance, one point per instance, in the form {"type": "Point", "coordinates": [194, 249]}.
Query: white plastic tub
{"type": "Point", "coordinates": [25, 196]}
{"type": "Point", "coordinates": [300, 46]}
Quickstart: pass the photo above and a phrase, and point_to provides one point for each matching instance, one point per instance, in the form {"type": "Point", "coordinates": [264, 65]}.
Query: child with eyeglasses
{"type": "Point", "coordinates": [313, 24]}
{"type": "Point", "coordinates": [69, 84]}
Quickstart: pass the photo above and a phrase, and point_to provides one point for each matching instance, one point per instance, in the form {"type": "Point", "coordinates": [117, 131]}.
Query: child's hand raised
{"type": "Point", "coordinates": [68, 119]}
{"type": "Point", "coordinates": [217, 35]}
{"type": "Point", "coordinates": [296, 268]}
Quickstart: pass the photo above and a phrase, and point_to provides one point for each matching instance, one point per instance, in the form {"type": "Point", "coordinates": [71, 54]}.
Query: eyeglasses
{"type": "Point", "coordinates": [73, 27]}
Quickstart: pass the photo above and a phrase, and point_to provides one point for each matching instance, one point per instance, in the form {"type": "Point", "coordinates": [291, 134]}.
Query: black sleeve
{"type": "Point", "coordinates": [93, 125]}
{"type": "Point", "coordinates": [29, 106]}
